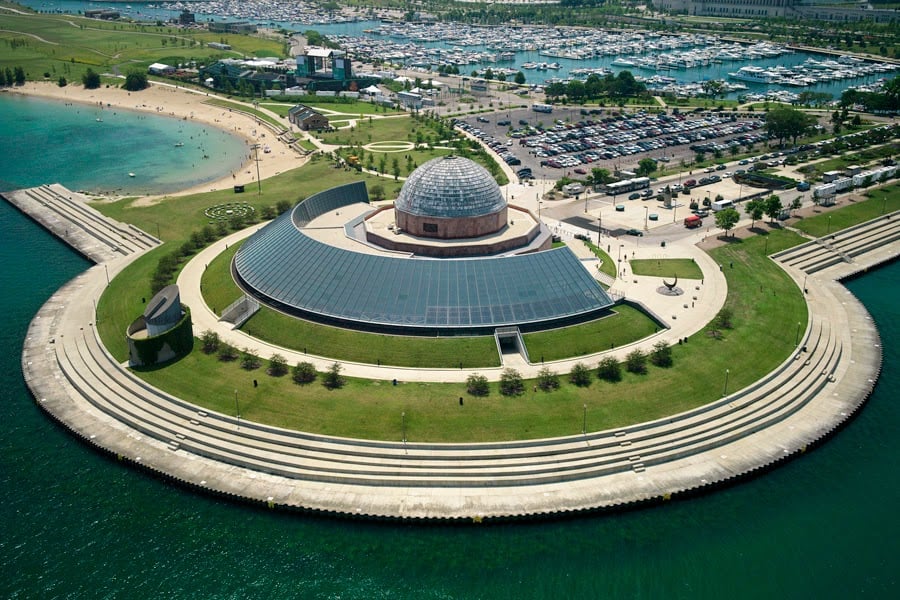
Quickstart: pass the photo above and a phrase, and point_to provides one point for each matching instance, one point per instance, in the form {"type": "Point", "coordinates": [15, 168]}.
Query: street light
{"type": "Point", "coordinates": [797, 339]}
{"type": "Point", "coordinates": [403, 421]}
{"type": "Point", "coordinates": [829, 225]}
{"type": "Point", "coordinates": [258, 182]}
{"type": "Point", "coordinates": [599, 227]}
{"type": "Point", "coordinates": [584, 420]}
{"type": "Point", "coordinates": [237, 409]}
{"type": "Point", "coordinates": [725, 389]}
{"type": "Point", "coordinates": [646, 212]}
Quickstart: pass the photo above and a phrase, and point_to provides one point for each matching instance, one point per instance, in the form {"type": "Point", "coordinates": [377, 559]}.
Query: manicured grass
{"type": "Point", "coordinates": [92, 43]}
{"type": "Point", "coordinates": [121, 302]}
{"type": "Point", "coordinates": [683, 268]}
{"type": "Point", "coordinates": [606, 262]}
{"type": "Point", "coordinates": [177, 217]}
{"type": "Point", "coordinates": [401, 128]}
{"type": "Point", "coordinates": [249, 110]}
{"type": "Point", "coordinates": [623, 325]}
{"type": "Point", "coordinates": [219, 289]}
{"type": "Point", "coordinates": [356, 346]}
{"type": "Point", "coordinates": [767, 307]}
{"type": "Point", "coordinates": [881, 201]}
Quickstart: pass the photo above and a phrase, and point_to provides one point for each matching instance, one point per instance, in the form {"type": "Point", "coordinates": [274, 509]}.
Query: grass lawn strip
{"type": "Point", "coordinates": [880, 201]}
{"type": "Point", "coordinates": [683, 268]}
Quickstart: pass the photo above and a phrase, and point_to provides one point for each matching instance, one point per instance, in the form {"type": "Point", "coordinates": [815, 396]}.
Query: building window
{"type": "Point", "coordinates": [429, 227]}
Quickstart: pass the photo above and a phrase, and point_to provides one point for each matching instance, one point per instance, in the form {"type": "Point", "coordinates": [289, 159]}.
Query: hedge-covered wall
{"type": "Point", "coordinates": [179, 340]}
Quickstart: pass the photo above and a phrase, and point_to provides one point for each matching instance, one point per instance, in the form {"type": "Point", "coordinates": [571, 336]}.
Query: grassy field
{"type": "Point", "coordinates": [767, 305]}
{"type": "Point", "coordinates": [623, 326]}
{"type": "Point", "coordinates": [177, 217]}
{"type": "Point", "coordinates": [683, 268]}
{"type": "Point", "coordinates": [880, 201]}
{"type": "Point", "coordinates": [606, 262]}
{"type": "Point", "coordinates": [249, 110]}
{"type": "Point", "coordinates": [67, 45]}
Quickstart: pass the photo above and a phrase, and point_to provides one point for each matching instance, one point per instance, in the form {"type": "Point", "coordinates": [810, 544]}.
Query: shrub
{"type": "Point", "coordinates": [547, 380]}
{"type": "Point", "coordinates": [636, 362]}
{"type": "Point", "coordinates": [227, 352]}
{"type": "Point", "coordinates": [332, 379]}
{"type": "Point", "coordinates": [303, 372]}
{"type": "Point", "coordinates": [580, 375]}
{"type": "Point", "coordinates": [209, 341]}
{"type": "Point", "coordinates": [723, 320]}
{"type": "Point", "coordinates": [277, 365]}
{"type": "Point", "coordinates": [477, 385]}
{"type": "Point", "coordinates": [511, 383]}
{"type": "Point", "coordinates": [609, 369]}
{"type": "Point", "coordinates": [661, 355]}
{"type": "Point", "coordinates": [249, 361]}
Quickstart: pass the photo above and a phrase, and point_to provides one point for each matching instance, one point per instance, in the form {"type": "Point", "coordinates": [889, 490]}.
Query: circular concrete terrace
{"type": "Point", "coordinates": [76, 381]}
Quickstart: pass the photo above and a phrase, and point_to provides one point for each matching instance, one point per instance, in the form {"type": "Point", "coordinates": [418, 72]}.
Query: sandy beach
{"type": "Point", "coordinates": [183, 103]}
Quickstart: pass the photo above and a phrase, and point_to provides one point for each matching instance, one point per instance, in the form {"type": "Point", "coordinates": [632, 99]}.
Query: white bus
{"type": "Point", "coordinates": [722, 205]}
{"type": "Point", "coordinates": [544, 108]}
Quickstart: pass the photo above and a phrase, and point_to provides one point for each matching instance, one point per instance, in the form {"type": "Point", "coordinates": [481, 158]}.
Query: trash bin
{"type": "Point", "coordinates": [663, 243]}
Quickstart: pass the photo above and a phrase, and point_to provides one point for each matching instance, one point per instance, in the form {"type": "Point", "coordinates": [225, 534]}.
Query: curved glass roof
{"type": "Point", "coordinates": [283, 264]}
{"type": "Point", "coordinates": [450, 186]}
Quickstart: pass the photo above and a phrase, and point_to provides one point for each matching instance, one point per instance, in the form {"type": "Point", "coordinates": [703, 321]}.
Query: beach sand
{"type": "Point", "coordinates": [184, 103]}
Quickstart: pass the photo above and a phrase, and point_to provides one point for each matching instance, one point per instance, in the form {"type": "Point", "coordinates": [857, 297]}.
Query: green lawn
{"type": "Point", "coordinates": [881, 201]}
{"type": "Point", "coordinates": [683, 268]}
{"type": "Point", "coordinates": [767, 305]}
{"type": "Point", "coordinates": [178, 216]}
{"type": "Point", "coordinates": [67, 45]}
{"type": "Point", "coordinates": [606, 262]}
{"type": "Point", "coordinates": [623, 326]}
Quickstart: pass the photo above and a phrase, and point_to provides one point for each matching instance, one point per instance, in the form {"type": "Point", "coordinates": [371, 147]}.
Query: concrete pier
{"type": "Point", "coordinates": [78, 383]}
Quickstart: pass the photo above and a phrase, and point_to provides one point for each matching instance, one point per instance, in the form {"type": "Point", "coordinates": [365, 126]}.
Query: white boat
{"type": "Point", "coordinates": [753, 74]}
{"type": "Point", "coordinates": [623, 62]}
{"type": "Point", "coordinates": [179, 144]}
{"type": "Point", "coordinates": [131, 174]}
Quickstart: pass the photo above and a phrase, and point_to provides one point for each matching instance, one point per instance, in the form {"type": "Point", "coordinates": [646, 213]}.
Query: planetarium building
{"type": "Point", "coordinates": [449, 257]}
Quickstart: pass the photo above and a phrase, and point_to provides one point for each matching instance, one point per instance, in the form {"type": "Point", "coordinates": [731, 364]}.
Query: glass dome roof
{"type": "Point", "coordinates": [450, 187]}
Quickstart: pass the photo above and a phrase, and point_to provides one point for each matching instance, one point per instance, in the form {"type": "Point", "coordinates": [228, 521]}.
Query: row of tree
{"type": "Point", "coordinates": [14, 76]}
{"type": "Point", "coordinates": [621, 85]}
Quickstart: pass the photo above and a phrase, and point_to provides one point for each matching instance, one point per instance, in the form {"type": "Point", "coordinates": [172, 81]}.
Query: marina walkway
{"type": "Point", "coordinates": [77, 382]}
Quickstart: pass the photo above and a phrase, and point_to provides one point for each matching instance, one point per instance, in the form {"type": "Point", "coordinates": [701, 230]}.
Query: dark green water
{"type": "Point", "coordinates": [76, 524]}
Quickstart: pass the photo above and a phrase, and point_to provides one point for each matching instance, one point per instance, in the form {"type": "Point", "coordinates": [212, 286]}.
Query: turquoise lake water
{"type": "Point", "coordinates": [76, 524]}
{"type": "Point", "coordinates": [83, 153]}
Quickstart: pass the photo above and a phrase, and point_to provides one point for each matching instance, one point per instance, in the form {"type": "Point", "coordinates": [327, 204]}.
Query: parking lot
{"type": "Point", "coordinates": [573, 141]}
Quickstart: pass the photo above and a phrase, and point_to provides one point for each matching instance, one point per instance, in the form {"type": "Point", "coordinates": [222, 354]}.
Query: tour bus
{"type": "Point", "coordinates": [627, 185]}
{"type": "Point", "coordinates": [544, 108]}
{"type": "Point", "coordinates": [722, 205]}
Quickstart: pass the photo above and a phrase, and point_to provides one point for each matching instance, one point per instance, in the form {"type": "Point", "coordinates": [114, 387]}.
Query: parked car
{"type": "Point", "coordinates": [482, 120]}
{"type": "Point", "coordinates": [634, 196]}
{"type": "Point", "coordinates": [636, 232]}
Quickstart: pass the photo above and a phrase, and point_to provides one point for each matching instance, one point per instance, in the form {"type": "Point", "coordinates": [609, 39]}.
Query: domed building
{"type": "Point", "coordinates": [449, 257]}
{"type": "Point", "coordinates": [450, 197]}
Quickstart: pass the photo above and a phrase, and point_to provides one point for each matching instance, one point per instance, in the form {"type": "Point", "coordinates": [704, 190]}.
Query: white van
{"type": "Point", "coordinates": [722, 205]}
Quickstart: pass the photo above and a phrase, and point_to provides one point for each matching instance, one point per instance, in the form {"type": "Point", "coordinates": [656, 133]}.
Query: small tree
{"type": "Point", "coordinates": [511, 383]}
{"type": "Point", "coordinates": [277, 365]}
{"type": "Point", "coordinates": [332, 378]}
{"type": "Point", "coordinates": [661, 355]}
{"type": "Point", "coordinates": [477, 385]}
{"type": "Point", "coordinates": [636, 362]}
{"type": "Point", "coordinates": [773, 206]}
{"type": "Point", "coordinates": [209, 341]}
{"type": "Point", "coordinates": [609, 369]}
{"type": "Point", "coordinates": [727, 219]}
{"type": "Point", "coordinates": [580, 375]}
{"type": "Point", "coordinates": [303, 373]}
{"type": "Point", "coordinates": [136, 81]}
{"type": "Point", "coordinates": [227, 352]}
{"type": "Point", "coordinates": [724, 320]}
{"type": "Point", "coordinates": [646, 166]}
{"type": "Point", "coordinates": [377, 192]}
{"type": "Point", "coordinates": [62, 82]}
{"type": "Point", "coordinates": [755, 209]}
{"type": "Point", "coordinates": [249, 361]}
{"type": "Point", "coordinates": [547, 380]}
{"type": "Point", "coordinates": [91, 80]}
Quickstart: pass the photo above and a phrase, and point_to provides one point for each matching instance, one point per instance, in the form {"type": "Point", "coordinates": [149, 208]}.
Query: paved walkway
{"type": "Point", "coordinates": [78, 383]}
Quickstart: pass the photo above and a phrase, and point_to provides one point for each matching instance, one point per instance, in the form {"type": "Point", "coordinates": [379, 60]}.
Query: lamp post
{"type": "Point", "coordinates": [584, 419]}
{"type": "Point", "coordinates": [599, 227]}
{"type": "Point", "coordinates": [403, 422]}
{"type": "Point", "coordinates": [237, 408]}
{"type": "Point", "coordinates": [258, 182]}
{"type": "Point", "coordinates": [620, 253]}
{"type": "Point", "coordinates": [646, 213]}
{"type": "Point", "coordinates": [827, 231]}
{"type": "Point", "coordinates": [797, 339]}
{"type": "Point", "coordinates": [725, 389]}
{"type": "Point", "coordinates": [106, 266]}
{"type": "Point", "coordinates": [540, 203]}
